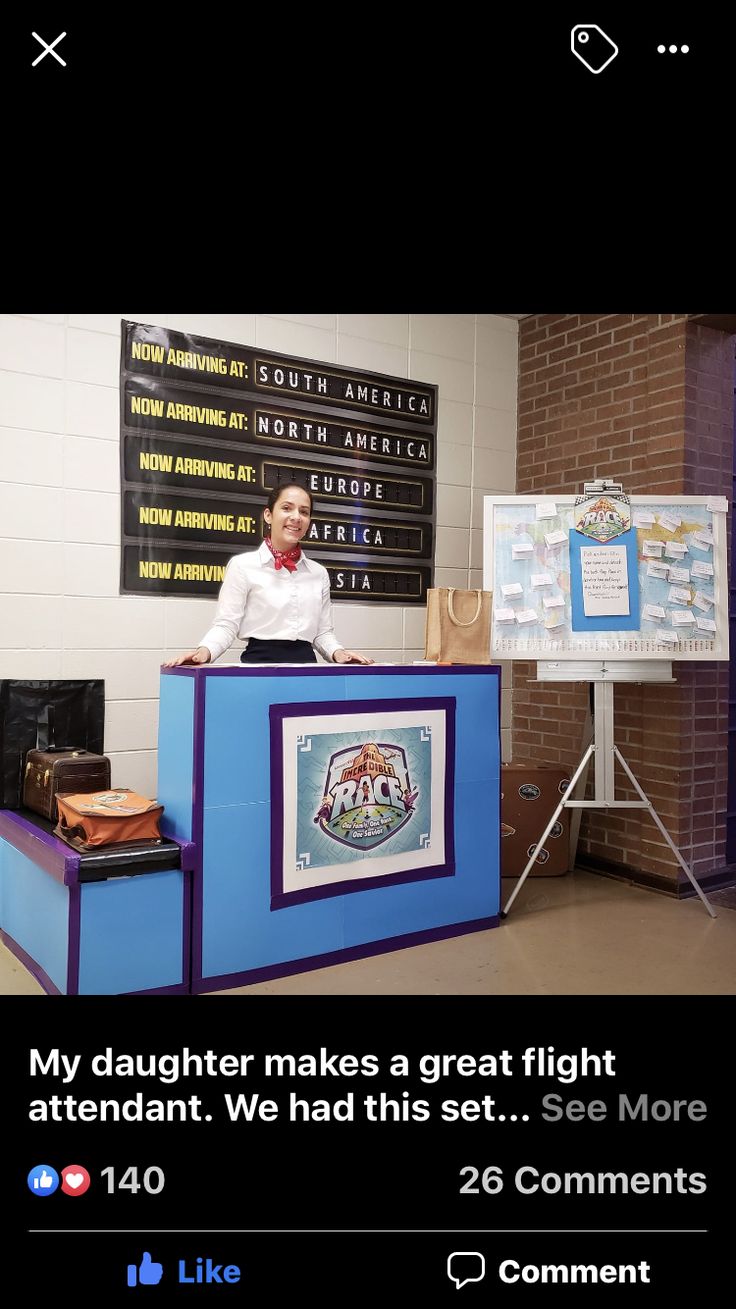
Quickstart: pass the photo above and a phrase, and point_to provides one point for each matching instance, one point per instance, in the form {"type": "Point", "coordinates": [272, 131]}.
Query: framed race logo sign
{"type": "Point", "coordinates": [361, 796]}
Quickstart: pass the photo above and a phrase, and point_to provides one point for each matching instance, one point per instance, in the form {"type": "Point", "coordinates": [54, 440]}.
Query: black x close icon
{"type": "Point", "coordinates": [48, 49]}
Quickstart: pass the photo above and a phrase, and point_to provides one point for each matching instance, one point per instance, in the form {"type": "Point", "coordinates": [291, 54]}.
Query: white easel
{"type": "Point", "coordinates": [604, 749]}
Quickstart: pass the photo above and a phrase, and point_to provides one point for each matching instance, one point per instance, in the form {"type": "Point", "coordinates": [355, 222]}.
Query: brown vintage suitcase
{"type": "Point", "coordinates": [49, 773]}
{"type": "Point", "coordinates": [529, 796]}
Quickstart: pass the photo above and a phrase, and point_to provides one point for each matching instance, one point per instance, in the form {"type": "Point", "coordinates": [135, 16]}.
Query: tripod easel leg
{"type": "Point", "coordinates": [663, 830]}
{"type": "Point", "coordinates": [548, 828]}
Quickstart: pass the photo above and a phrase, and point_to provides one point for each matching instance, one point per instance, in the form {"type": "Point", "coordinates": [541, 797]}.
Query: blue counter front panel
{"type": "Point", "coordinates": [124, 934]}
{"type": "Point", "coordinates": [237, 935]}
{"type": "Point", "coordinates": [176, 754]}
{"type": "Point", "coordinates": [130, 934]}
{"type": "Point", "coordinates": [34, 912]}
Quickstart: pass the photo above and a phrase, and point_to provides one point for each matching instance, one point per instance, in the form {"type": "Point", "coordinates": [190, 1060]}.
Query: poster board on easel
{"type": "Point", "coordinates": [656, 591]}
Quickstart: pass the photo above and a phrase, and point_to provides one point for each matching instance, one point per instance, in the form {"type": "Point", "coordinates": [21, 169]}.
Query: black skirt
{"type": "Point", "coordinates": [278, 652]}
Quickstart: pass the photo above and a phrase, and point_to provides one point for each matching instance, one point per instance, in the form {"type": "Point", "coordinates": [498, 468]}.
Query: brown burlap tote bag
{"type": "Point", "coordinates": [458, 626]}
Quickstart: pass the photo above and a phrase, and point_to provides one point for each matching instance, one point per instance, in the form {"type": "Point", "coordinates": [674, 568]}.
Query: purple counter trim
{"type": "Point", "coordinates": [332, 670]}
{"type": "Point", "coordinates": [187, 854]}
{"type": "Point", "coordinates": [198, 743]}
{"type": "Point", "coordinates": [43, 849]}
{"type": "Point", "coordinates": [277, 714]}
{"type": "Point", "coordinates": [288, 969]}
{"type": "Point", "coordinates": [75, 920]}
{"type": "Point", "coordinates": [277, 798]}
{"type": "Point", "coordinates": [35, 969]}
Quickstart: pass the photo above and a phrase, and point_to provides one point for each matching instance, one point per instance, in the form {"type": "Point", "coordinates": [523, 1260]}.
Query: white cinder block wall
{"type": "Point", "coordinates": [60, 611]}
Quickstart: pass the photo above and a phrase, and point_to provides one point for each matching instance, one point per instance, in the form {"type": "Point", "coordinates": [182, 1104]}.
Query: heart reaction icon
{"type": "Point", "coordinates": [74, 1179]}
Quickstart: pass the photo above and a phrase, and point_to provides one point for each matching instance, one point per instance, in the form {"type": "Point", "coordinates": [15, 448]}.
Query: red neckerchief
{"type": "Point", "coordinates": [287, 559]}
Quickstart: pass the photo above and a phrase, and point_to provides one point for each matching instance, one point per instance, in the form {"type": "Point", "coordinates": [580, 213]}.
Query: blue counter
{"type": "Point", "coordinates": [107, 935]}
{"type": "Point", "coordinates": [335, 812]}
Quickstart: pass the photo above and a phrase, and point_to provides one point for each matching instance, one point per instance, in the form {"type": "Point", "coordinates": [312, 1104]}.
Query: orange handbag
{"type": "Point", "coordinates": [107, 818]}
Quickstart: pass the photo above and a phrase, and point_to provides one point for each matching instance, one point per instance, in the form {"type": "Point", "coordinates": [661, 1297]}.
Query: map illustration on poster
{"type": "Point", "coordinates": [574, 581]}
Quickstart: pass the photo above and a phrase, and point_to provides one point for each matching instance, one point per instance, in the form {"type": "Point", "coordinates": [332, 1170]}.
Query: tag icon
{"type": "Point", "coordinates": [592, 47]}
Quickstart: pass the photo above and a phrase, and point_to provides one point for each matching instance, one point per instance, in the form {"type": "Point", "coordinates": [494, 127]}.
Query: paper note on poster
{"type": "Point", "coordinates": [605, 580]}
{"type": "Point", "coordinates": [668, 638]}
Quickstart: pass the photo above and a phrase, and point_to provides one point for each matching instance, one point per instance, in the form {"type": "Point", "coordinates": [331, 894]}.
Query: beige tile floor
{"type": "Point", "coordinates": [573, 935]}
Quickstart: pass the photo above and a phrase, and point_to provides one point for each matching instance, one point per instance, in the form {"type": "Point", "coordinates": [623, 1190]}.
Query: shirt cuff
{"type": "Point", "coordinates": [212, 641]}
{"type": "Point", "coordinates": [326, 646]}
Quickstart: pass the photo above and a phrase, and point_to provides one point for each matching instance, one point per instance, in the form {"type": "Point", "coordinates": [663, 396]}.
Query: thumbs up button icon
{"type": "Point", "coordinates": [149, 1273]}
{"type": "Point", "coordinates": [43, 1180]}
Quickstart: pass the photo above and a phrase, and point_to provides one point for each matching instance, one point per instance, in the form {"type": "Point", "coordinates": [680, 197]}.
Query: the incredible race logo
{"type": "Point", "coordinates": [603, 519]}
{"type": "Point", "coordinates": [368, 795]}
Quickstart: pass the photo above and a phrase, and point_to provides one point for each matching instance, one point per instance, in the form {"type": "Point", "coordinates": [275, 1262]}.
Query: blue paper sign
{"type": "Point", "coordinates": [582, 622]}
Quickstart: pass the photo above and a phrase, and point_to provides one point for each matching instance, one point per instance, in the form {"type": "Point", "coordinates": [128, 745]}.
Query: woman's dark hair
{"type": "Point", "coordinates": [284, 486]}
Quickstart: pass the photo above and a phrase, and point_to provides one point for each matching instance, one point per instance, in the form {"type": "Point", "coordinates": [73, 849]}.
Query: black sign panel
{"type": "Point", "coordinates": [283, 427]}
{"type": "Point", "coordinates": [361, 487]}
{"type": "Point", "coordinates": [161, 515]}
{"type": "Point", "coordinates": [157, 461]}
{"type": "Point", "coordinates": [400, 585]}
{"type": "Point", "coordinates": [210, 429]}
{"type": "Point", "coordinates": [158, 570]}
{"type": "Point", "coordinates": [200, 360]}
{"type": "Point", "coordinates": [167, 462]}
{"type": "Point", "coordinates": [155, 406]}
{"type": "Point", "coordinates": [152, 404]}
{"type": "Point", "coordinates": [337, 387]}
{"type": "Point", "coordinates": [368, 535]}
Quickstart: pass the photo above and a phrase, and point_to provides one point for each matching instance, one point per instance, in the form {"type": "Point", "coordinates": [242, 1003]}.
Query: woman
{"type": "Point", "coordinates": [275, 598]}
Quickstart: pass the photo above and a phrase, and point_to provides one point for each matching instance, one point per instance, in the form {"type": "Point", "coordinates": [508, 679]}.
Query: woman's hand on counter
{"type": "Point", "coordinates": [199, 656]}
{"type": "Point", "coordinates": [350, 657]}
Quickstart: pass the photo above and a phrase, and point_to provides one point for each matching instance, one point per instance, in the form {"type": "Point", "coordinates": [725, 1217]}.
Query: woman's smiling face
{"type": "Point", "coordinates": [290, 517]}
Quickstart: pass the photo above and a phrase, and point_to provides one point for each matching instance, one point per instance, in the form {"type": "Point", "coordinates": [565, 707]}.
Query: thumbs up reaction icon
{"type": "Point", "coordinates": [149, 1273]}
{"type": "Point", "coordinates": [43, 1179]}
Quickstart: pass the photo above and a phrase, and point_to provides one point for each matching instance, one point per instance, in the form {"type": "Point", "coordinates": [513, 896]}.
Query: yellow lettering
{"type": "Point", "coordinates": [151, 568]}
{"type": "Point", "coordinates": [145, 350]}
{"type": "Point", "coordinates": [199, 572]}
{"type": "Point", "coordinates": [154, 461]}
{"type": "Point", "coordinates": [152, 514]}
{"type": "Point", "coordinates": [143, 404]}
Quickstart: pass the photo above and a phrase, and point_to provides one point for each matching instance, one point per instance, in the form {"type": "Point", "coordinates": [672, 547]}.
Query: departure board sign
{"type": "Point", "coordinates": [156, 352]}
{"type": "Point", "coordinates": [209, 428]}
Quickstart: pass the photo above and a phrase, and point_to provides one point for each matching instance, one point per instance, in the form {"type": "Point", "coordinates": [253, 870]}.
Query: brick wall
{"type": "Point", "coordinates": [646, 399]}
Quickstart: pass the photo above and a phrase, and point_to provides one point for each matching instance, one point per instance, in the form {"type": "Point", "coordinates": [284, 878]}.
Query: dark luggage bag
{"type": "Point", "coordinates": [49, 773]}
{"type": "Point", "coordinates": [69, 715]}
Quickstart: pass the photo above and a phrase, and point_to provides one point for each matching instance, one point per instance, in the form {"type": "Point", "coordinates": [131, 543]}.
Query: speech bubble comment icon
{"type": "Point", "coordinates": [465, 1266]}
{"type": "Point", "coordinates": [592, 47]}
